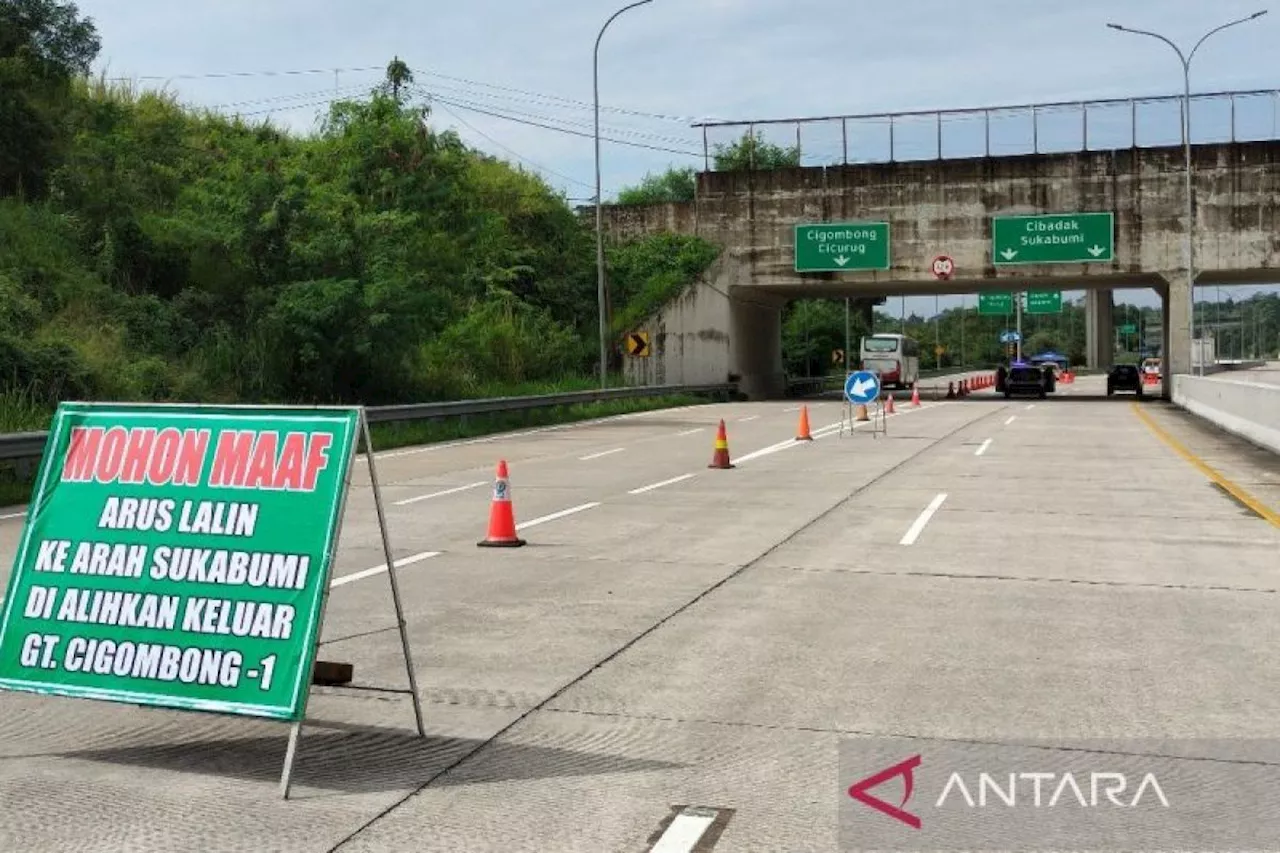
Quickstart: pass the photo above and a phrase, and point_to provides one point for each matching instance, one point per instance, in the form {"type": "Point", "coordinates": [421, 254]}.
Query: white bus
{"type": "Point", "coordinates": [895, 358]}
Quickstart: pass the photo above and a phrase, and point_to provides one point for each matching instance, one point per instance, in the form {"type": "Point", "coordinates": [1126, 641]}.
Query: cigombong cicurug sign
{"type": "Point", "coordinates": [178, 556]}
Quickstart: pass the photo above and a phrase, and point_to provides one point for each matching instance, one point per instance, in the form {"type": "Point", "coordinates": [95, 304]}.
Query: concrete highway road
{"type": "Point", "coordinates": [676, 637]}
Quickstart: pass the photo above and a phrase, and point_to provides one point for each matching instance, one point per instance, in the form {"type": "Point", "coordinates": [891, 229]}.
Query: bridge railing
{"type": "Point", "coordinates": [1046, 128]}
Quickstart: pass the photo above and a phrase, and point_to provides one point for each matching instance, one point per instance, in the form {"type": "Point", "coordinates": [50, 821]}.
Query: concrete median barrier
{"type": "Point", "coordinates": [1250, 410]}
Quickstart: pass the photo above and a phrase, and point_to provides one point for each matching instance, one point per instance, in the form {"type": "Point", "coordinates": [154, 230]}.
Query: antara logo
{"type": "Point", "coordinates": [905, 769]}
{"type": "Point", "coordinates": [1063, 787]}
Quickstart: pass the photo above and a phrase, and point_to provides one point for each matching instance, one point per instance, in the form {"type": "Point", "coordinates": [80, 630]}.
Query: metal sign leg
{"type": "Point", "coordinates": [286, 775]}
{"type": "Point", "coordinates": [391, 575]}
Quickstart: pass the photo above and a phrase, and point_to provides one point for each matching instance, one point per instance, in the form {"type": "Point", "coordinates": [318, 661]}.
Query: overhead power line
{"type": "Point", "coordinates": [515, 153]}
{"type": "Point", "coordinates": [221, 74]}
{"type": "Point", "coordinates": [567, 130]}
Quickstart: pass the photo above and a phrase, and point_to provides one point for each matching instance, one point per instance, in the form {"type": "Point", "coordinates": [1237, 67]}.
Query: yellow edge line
{"type": "Point", "coordinates": [1204, 468]}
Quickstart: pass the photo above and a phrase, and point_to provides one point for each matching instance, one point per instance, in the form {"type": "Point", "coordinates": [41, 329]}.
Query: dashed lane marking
{"type": "Point", "coordinates": [983, 449]}
{"type": "Point", "coordinates": [1030, 406]}
{"type": "Point", "coordinates": [377, 570]}
{"type": "Point", "coordinates": [1256, 506]}
{"type": "Point", "coordinates": [601, 454]}
{"type": "Point", "coordinates": [691, 432]}
{"type": "Point", "coordinates": [1012, 418]}
{"type": "Point", "coordinates": [747, 419]}
{"type": "Point", "coordinates": [690, 829]}
{"type": "Point", "coordinates": [465, 488]}
{"type": "Point", "coordinates": [917, 527]}
{"type": "Point", "coordinates": [555, 515]}
{"type": "Point", "coordinates": [652, 486]}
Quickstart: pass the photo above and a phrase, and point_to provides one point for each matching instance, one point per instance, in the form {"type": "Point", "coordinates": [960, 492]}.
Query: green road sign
{"type": "Point", "coordinates": [995, 303]}
{"type": "Point", "coordinates": [837, 246]}
{"type": "Point", "coordinates": [1056, 238]}
{"type": "Point", "coordinates": [1044, 301]}
{"type": "Point", "coordinates": [178, 556]}
{"type": "Point", "coordinates": [1128, 329]}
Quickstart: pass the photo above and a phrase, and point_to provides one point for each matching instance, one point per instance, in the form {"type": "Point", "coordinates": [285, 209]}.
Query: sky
{"type": "Point", "coordinates": [669, 63]}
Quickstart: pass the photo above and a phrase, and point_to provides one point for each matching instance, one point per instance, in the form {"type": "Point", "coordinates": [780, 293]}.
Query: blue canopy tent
{"type": "Point", "coordinates": [1051, 357]}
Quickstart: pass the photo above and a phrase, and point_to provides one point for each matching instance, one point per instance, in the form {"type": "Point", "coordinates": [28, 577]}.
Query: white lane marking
{"type": "Point", "coordinates": [12, 515]}
{"type": "Point", "coordinates": [467, 487]}
{"type": "Point", "coordinates": [752, 418]}
{"type": "Point", "coordinates": [1030, 406]}
{"type": "Point", "coordinates": [918, 526]}
{"type": "Point", "coordinates": [652, 486]}
{"type": "Point", "coordinates": [561, 514]}
{"type": "Point", "coordinates": [983, 449]}
{"type": "Point", "coordinates": [601, 454]}
{"type": "Point", "coordinates": [1012, 418]}
{"type": "Point", "coordinates": [823, 432]}
{"type": "Point", "coordinates": [691, 432]}
{"type": "Point", "coordinates": [377, 570]}
{"type": "Point", "coordinates": [792, 409]}
{"type": "Point", "coordinates": [683, 834]}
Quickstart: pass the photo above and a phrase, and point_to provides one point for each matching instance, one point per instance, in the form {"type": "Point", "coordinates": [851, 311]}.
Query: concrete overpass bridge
{"type": "Point", "coordinates": [962, 208]}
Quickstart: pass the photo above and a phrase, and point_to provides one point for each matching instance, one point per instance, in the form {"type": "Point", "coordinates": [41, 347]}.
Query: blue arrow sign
{"type": "Point", "coordinates": [1010, 337]}
{"type": "Point", "coordinates": [862, 387]}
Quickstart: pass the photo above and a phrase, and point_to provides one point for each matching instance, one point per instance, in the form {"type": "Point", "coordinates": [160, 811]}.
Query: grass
{"type": "Point", "coordinates": [17, 477]}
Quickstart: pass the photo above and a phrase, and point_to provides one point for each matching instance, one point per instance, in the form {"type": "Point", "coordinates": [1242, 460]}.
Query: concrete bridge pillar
{"type": "Point", "coordinates": [755, 344]}
{"type": "Point", "coordinates": [1177, 327]}
{"type": "Point", "coordinates": [1099, 328]}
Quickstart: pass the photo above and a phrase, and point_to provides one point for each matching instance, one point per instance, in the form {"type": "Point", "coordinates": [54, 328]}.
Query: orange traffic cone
{"type": "Point", "coordinates": [720, 459]}
{"type": "Point", "coordinates": [915, 394]}
{"type": "Point", "coordinates": [860, 413]}
{"type": "Point", "coordinates": [502, 520]}
{"type": "Point", "coordinates": [888, 405]}
{"type": "Point", "coordinates": [802, 434]}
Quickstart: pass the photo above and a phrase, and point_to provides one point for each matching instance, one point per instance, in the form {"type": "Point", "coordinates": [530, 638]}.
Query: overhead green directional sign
{"type": "Point", "coordinates": [995, 303]}
{"type": "Point", "coordinates": [1055, 238]}
{"type": "Point", "coordinates": [1129, 329]}
{"type": "Point", "coordinates": [178, 556]}
{"type": "Point", "coordinates": [1044, 301]}
{"type": "Point", "coordinates": [842, 246]}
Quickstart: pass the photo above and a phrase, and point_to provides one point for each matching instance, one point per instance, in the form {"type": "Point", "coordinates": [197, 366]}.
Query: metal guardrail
{"type": "Point", "coordinates": [1109, 124]}
{"type": "Point", "coordinates": [30, 445]}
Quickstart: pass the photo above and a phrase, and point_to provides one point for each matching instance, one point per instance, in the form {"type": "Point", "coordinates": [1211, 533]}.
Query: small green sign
{"type": "Point", "coordinates": [178, 556]}
{"type": "Point", "coordinates": [840, 246]}
{"type": "Point", "coordinates": [1044, 301]}
{"type": "Point", "coordinates": [1056, 238]}
{"type": "Point", "coordinates": [1128, 329]}
{"type": "Point", "coordinates": [995, 303]}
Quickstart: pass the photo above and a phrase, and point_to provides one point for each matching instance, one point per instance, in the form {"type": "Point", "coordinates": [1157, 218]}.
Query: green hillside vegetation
{"type": "Point", "coordinates": [156, 252]}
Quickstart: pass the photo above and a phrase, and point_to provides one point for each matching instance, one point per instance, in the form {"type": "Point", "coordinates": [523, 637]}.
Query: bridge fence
{"type": "Point", "coordinates": [1048, 128]}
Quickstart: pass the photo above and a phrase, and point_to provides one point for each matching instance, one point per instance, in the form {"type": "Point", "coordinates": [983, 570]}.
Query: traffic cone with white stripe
{"type": "Point", "coordinates": [720, 458]}
{"type": "Point", "coordinates": [502, 519]}
{"type": "Point", "coordinates": [915, 394]}
{"type": "Point", "coordinates": [888, 408]}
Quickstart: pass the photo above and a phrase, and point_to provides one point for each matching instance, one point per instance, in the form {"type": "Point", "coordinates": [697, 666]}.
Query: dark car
{"type": "Point", "coordinates": [1124, 377]}
{"type": "Point", "coordinates": [1024, 379]}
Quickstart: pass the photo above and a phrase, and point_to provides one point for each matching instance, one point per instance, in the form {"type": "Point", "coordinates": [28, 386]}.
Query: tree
{"type": "Point", "coordinates": [44, 44]}
{"type": "Point", "coordinates": [753, 152]}
{"type": "Point", "coordinates": [398, 75]}
{"type": "Point", "coordinates": [673, 185]}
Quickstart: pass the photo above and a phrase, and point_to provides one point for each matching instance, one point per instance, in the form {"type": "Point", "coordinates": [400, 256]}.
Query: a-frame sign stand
{"type": "Point", "coordinates": [295, 731]}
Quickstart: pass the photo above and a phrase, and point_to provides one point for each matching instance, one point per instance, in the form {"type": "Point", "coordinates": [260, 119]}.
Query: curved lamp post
{"type": "Point", "coordinates": [600, 293]}
{"type": "Point", "coordinates": [1188, 249]}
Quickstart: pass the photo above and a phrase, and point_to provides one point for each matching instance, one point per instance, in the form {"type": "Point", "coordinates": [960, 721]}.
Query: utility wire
{"type": "Point", "coordinates": [568, 131]}
{"type": "Point", "coordinates": [514, 153]}
{"type": "Point", "coordinates": [572, 122]}
{"type": "Point", "coordinates": [224, 74]}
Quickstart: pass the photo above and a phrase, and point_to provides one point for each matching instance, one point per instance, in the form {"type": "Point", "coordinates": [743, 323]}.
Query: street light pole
{"type": "Point", "coordinates": [600, 287]}
{"type": "Point", "coordinates": [1188, 248]}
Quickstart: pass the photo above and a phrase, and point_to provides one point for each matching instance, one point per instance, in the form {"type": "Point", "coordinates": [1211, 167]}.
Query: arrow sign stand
{"type": "Point", "coordinates": [863, 389]}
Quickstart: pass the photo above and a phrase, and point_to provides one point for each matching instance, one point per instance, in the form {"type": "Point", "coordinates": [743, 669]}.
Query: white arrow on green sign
{"type": "Point", "coordinates": [1044, 301]}
{"type": "Point", "coordinates": [995, 303]}
{"type": "Point", "coordinates": [1054, 238]}
{"type": "Point", "coordinates": [841, 246]}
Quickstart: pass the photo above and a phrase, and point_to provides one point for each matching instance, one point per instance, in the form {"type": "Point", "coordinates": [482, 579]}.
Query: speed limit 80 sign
{"type": "Point", "coordinates": [943, 267]}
